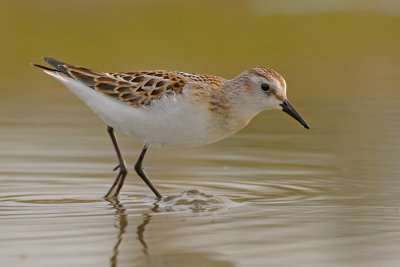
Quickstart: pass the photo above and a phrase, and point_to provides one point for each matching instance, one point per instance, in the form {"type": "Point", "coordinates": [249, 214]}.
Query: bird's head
{"type": "Point", "coordinates": [265, 89]}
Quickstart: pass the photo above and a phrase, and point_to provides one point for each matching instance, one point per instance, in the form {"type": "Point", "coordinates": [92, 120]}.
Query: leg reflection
{"type": "Point", "coordinates": [140, 232]}
{"type": "Point", "coordinates": [122, 223]}
{"type": "Point", "coordinates": [142, 227]}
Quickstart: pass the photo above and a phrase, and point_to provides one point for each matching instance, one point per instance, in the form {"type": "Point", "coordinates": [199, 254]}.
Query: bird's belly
{"type": "Point", "coordinates": [175, 125]}
{"type": "Point", "coordinates": [187, 131]}
{"type": "Point", "coordinates": [172, 121]}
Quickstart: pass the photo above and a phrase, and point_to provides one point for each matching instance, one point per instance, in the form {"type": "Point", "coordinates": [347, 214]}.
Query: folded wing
{"type": "Point", "coordinates": [135, 88]}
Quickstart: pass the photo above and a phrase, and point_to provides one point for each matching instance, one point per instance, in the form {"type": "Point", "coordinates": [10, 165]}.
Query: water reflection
{"type": "Point", "coordinates": [121, 222]}
{"type": "Point", "coordinates": [173, 258]}
{"type": "Point", "coordinates": [140, 231]}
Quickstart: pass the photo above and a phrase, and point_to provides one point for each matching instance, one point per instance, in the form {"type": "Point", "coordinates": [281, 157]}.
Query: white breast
{"type": "Point", "coordinates": [170, 121]}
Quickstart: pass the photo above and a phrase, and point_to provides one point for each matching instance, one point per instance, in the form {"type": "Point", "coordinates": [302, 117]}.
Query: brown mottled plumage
{"type": "Point", "coordinates": [136, 88]}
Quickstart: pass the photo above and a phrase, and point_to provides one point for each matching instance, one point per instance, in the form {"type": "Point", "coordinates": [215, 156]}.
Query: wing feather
{"type": "Point", "coordinates": [135, 88]}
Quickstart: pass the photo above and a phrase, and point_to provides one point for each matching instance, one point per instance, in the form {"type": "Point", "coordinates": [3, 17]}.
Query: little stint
{"type": "Point", "coordinates": [171, 108]}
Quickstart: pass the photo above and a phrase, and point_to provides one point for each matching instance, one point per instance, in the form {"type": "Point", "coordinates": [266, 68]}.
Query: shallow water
{"type": "Point", "coordinates": [274, 194]}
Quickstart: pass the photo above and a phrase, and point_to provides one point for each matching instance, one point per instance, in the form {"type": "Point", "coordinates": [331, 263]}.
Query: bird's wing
{"type": "Point", "coordinates": [135, 88]}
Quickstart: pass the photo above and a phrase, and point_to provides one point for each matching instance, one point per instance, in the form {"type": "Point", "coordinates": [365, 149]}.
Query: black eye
{"type": "Point", "coordinates": [265, 87]}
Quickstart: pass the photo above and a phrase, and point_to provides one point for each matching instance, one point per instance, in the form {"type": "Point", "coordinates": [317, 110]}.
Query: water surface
{"type": "Point", "coordinates": [272, 194]}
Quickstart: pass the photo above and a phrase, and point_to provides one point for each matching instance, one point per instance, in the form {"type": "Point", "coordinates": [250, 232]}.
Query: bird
{"type": "Point", "coordinates": [172, 108]}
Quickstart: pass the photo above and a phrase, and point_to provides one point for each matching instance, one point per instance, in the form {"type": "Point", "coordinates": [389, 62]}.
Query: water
{"type": "Point", "coordinates": [274, 194]}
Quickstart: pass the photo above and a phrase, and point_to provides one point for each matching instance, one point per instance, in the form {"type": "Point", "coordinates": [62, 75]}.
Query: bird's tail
{"type": "Point", "coordinates": [65, 71]}
{"type": "Point", "coordinates": [59, 67]}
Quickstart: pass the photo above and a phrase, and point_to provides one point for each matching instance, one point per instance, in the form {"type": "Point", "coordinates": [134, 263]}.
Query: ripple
{"type": "Point", "coordinates": [194, 201]}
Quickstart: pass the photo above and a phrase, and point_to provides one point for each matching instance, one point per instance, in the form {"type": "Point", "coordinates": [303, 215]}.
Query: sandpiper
{"type": "Point", "coordinates": [171, 108]}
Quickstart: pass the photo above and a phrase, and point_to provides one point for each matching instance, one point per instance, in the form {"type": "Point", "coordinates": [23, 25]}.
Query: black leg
{"type": "Point", "coordinates": [140, 172]}
{"type": "Point", "coordinates": [119, 181]}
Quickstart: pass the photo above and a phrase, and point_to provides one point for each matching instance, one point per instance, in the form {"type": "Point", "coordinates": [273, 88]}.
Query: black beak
{"type": "Point", "coordinates": [289, 109]}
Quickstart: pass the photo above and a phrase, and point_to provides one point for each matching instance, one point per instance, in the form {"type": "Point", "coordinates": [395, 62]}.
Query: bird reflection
{"type": "Point", "coordinates": [166, 258]}
{"type": "Point", "coordinates": [140, 232]}
{"type": "Point", "coordinates": [121, 219]}
{"type": "Point", "coordinates": [122, 223]}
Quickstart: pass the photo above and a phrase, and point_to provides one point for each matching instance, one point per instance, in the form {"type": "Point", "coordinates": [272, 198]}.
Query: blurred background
{"type": "Point", "coordinates": [290, 197]}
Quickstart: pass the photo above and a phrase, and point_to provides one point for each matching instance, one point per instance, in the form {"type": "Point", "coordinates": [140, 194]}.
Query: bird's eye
{"type": "Point", "coordinates": [265, 87]}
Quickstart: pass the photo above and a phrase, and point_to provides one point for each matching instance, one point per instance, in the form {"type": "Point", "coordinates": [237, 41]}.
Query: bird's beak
{"type": "Point", "coordinates": [289, 109]}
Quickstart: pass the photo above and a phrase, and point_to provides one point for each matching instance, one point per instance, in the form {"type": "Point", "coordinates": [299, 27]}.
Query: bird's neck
{"type": "Point", "coordinates": [241, 107]}
{"type": "Point", "coordinates": [240, 101]}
